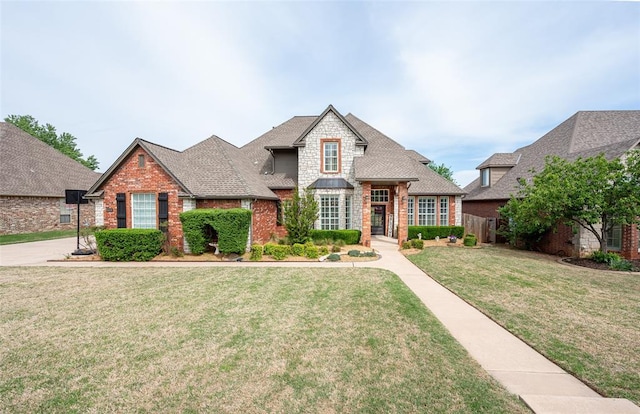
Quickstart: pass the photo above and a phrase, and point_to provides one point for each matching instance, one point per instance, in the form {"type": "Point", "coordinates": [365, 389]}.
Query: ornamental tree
{"type": "Point", "coordinates": [592, 193]}
{"type": "Point", "coordinates": [300, 214]}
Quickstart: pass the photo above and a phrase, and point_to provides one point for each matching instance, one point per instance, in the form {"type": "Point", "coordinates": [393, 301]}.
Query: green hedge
{"type": "Point", "coordinates": [231, 224]}
{"type": "Point", "coordinates": [125, 245]}
{"type": "Point", "coordinates": [430, 232]}
{"type": "Point", "coordinates": [348, 236]}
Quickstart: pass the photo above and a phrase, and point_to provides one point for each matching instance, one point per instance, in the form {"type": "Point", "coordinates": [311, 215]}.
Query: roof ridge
{"type": "Point", "coordinates": [232, 163]}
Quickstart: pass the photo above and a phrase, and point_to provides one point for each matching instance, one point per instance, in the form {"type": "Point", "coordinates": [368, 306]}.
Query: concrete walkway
{"type": "Point", "coordinates": [542, 385]}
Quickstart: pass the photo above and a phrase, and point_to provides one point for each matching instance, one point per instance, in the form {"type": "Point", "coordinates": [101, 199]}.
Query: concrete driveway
{"type": "Point", "coordinates": [22, 254]}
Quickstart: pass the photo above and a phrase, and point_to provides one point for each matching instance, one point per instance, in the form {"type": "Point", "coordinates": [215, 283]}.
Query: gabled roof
{"type": "Point", "coordinates": [29, 167]}
{"type": "Point", "coordinates": [501, 159]}
{"type": "Point", "coordinates": [359, 138]}
{"type": "Point", "coordinates": [418, 157]}
{"type": "Point", "coordinates": [212, 168]}
{"type": "Point", "coordinates": [585, 134]}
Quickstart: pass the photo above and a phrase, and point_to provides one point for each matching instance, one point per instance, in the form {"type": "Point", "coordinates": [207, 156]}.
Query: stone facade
{"type": "Point", "coordinates": [37, 214]}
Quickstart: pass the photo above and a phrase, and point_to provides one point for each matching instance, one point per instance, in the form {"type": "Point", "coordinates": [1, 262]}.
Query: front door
{"type": "Point", "coordinates": [377, 219]}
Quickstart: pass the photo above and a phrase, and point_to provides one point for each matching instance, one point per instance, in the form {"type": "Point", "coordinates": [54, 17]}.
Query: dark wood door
{"type": "Point", "coordinates": [377, 219]}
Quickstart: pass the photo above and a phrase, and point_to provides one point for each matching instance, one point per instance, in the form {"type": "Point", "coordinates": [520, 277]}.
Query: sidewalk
{"type": "Point", "coordinates": [542, 385]}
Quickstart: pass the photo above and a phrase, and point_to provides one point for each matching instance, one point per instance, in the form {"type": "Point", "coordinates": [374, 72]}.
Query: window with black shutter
{"type": "Point", "coordinates": [121, 210]}
{"type": "Point", "coordinates": [163, 211]}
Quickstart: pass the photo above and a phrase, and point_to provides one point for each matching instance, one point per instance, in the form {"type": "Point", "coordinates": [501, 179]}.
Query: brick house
{"type": "Point", "coordinates": [33, 180]}
{"type": "Point", "coordinates": [361, 179]}
{"type": "Point", "coordinates": [585, 134]}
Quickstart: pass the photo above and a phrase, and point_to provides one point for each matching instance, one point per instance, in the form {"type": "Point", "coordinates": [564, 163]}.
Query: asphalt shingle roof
{"type": "Point", "coordinates": [29, 167]}
{"type": "Point", "coordinates": [585, 134]}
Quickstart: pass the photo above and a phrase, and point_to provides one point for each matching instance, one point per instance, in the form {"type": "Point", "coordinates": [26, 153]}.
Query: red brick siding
{"type": "Point", "coordinates": [483, 208]}
{"type": "Point", "coordinates": [224, 204]}
{"type": "Point", "coordinates": [403, 229]}
{"type": "Point", "coordinates": [281, 231]}
{"type": "Point", "coordinates": [630, 236]}
{"type": "Point", "coordinates": [264, 220]}
{"type": "Point", "coordinates": [559, 242]}
{"type": "Point", "coordinates": [129, 178]}
{"type": "Point", "coordinates": [366, 214]}
{"type": "Point", "coordinates": [452, 212]}
{"type": "Point", "coordinates": [37, 214]}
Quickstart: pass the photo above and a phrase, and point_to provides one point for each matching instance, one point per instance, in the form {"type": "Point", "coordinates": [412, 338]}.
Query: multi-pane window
{"type": "Point", "coordinates": [65, 212]}
{"type": "Point", "coordinates": [614, 237]}
{"type": "Point", "coordinates": [426, 211]}
{"type": "Point", "coordinates": [484, 176]}
{"type": "Point", "coordinates": [329, 212]}
{"type": "Point", "coordinates": [410, 208]}
{"type": "Point", "coordinates": [379, 196]}
{"type": "Point", "coordinates": [347, 212]}
{"type": "Point", "coordinates": [143, 211]}
{"type": "Point", "coordinates": [444, 211]}
{"type": "Point", "coordinates": [330, 156]}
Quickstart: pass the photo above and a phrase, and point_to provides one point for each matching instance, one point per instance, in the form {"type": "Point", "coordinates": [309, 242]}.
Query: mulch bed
{"type": "Point", "coordinates": [598, 266]}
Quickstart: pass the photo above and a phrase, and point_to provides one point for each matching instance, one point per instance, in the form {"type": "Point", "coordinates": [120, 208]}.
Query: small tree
{"type": "Point", "coordinates": [300, 214]}
{"type": "Point", "coordinates": [443, 171]}
{"type": "Point", "coordinates": [592, 193]}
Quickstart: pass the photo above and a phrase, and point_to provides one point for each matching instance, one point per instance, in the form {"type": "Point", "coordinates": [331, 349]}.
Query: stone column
{"type": "Point", "coordinates": [366, 214]}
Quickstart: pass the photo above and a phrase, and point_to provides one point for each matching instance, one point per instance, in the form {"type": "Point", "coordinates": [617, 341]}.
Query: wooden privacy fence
{"type": "Point", "coordinates": [484, 228]}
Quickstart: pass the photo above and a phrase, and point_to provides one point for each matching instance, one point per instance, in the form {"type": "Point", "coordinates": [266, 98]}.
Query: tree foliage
{"type": "Point", "coordinates": [65, 142]}
{"type": "Point", "coordinates": [592, 193]}
{"type": "Point", "coordinates": [300, 214]}
{"type": "Point", "coordinates": [444, 171]}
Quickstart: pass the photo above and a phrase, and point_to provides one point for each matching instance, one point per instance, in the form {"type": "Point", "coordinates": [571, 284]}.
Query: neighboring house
{"type": "Point", "coordinates": [361, 179]}
{"type": "Point", "coordinates": [585, 134]}
{"type": "Point", "coordinates": [33, 180]}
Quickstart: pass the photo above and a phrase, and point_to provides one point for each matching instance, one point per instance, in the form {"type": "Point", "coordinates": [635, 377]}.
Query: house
{"type": "Point", "coordinates": [585, 134]}
{"type": "Point", "coordinates": [361, 178]}
{"type": "Point", "coordinates": [33, 180]}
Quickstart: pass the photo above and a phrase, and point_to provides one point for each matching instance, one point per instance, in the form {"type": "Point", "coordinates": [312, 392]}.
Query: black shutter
{"type": "Point", "coordinates": [121, 210]}
{"type": "Point", "coordinates": [163, 211]}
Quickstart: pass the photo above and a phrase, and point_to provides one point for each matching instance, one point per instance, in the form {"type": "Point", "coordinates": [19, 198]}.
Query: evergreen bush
{"type": "Point", "coordinates": [430, 232]}
{"type": "Point", "coordinates": [347, 236]}
{"type": "Point", "coordinates": [256, 252]}
{"type": "Point", "coordinates": [125, 245]}
{"type": "Point", "coordinates": [232, 226]}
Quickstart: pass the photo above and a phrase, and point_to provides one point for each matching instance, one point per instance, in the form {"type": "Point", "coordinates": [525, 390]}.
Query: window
{"type": "Point", "coordinates": [410, 216]}
{"type": "Point", "coordinates": [379, 196]}
{"type": "Point", "coordinates": [444, 211]}
{"type": "Point", "coordinates": [65, 212]}
{"type": "Point", "coordinates": [141, 160]}
{"type": "Point", "coordinates": [329, 212]}
{"type": "Point", "coordinates": [331, 156]}
{"type": "Point", "coordinates": [484, 176]}
{"type": "Point", "coordinates": [426, 211]}
{"type": "Point", "coordinates": [614, 237]}
{"type": "Point", "coordinates": [143, 211]}
{"type": "Point", "coordinates": [347, 212]}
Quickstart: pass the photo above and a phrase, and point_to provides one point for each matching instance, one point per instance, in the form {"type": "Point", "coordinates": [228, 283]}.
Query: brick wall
{"type": "Point", "coordinates": [366, 214]}
{"type": "Point", "coordinates": [281, 231]}
{"type": "Point", "coordinates": [483, 208]}
{"type": "Point", "coordinates": [561, 242]}
{"type": "Point", "coordinates": [264, 220]}
{"type": "Point", "coordinates": [131, 178]}
{"type": "Point", "coordinates": [37, 214]}
{"type": "Point", "coordinates": [630, 246]}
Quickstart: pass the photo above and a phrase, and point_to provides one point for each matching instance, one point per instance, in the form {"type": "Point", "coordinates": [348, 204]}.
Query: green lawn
{"type": "Point", "coordinates": [31, 237]}
{"type": "Point", "coordinates": [586, 321]}
{"type": "Point", "coordinates": [230, 340]}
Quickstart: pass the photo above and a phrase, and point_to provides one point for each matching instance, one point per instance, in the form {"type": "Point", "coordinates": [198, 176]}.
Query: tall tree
{"type": "Point", "coordinates": [592, 193]}
{"type": "Point", "coordinates": [300, 214]}
{"type": "Point", "coordinates": [444, 171]}
{"type": "Point", "coordinates": [65, 142]}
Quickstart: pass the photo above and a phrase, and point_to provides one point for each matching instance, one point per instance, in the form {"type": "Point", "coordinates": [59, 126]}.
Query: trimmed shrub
{"type": "Point", "coordinates": [232, 226]}
{"type": "Point", "coordinates": [370, 254]}
{"type": "Point", "coordinates": [417, 244]}
{"type": "Point", "coordinates": [335, 249]}
{"type": "Point", "coordinates": [256, 252]}
{"type": "Point", "coordinates": [348, 236]}
{"type": "Point", "coordinates": [354, 253]}
{"type": "Point", "coordinates": [311, 251]}
{"type": "Point", "coordinates": [323, 250]}
{"type": "Point", "coordinates": [268, 248]}
{"type": "Point", "coordinates": [280, 251]}
{"type": "Point", "coordinates": [125, 245]}
{"type": "Point", "coordinates": [297, 249]}
{"type": "Point", "coordinates": [406, 245]}
{"type": "Point", "coordinates": [430, 232]}
{"type": "Point", "coordinates": [470, 240]}
{"type": "Point", "coordinates": [333, 257]}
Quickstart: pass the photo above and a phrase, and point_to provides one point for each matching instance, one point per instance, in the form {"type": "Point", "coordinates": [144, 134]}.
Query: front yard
{"type": "Point", "coordinates": [229, 340]}
{"type": "Point", "coordinates": [587, 321]}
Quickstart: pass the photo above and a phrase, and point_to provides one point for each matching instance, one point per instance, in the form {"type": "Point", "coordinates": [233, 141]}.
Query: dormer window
{"type": "Point", "coordinates": [331, 156]}
{"type": "Point", "coordinates": [484, 177]}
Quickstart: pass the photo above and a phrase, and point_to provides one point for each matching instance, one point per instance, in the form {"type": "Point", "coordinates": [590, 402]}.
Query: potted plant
{"type": "Point", "coordinates": [452, 238]}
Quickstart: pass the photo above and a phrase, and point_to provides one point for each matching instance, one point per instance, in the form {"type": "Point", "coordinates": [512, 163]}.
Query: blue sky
{"type": "Point", "coordinates": [456, 81]}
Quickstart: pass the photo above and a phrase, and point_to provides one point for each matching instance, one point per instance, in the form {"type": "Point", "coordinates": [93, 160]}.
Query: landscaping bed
{"type": "Point", "coordinates": [591, 264]}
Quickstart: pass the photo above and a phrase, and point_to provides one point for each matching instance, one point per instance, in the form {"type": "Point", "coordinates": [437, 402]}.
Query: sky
{"type": "Point", "coordinates": [455, 81]}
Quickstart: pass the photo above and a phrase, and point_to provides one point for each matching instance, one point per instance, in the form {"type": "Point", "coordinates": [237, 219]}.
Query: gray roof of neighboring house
{"type": "Point", "coordinates": [212, 168]}
{"type": "Point", "coordinates": [29, 167]}
{"type": "Point", "coordinates": [585, 134]}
